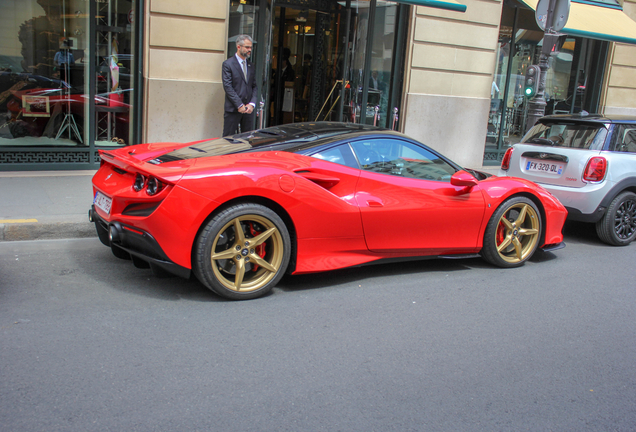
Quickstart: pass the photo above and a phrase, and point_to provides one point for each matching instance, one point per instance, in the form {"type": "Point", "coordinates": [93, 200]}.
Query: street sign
{"type": "Point", "coordinates": [559, 17]}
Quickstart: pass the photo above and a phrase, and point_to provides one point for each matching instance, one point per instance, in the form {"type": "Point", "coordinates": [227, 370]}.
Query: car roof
{"type": "Point", "coordinates": [295, 138]}
{"type": "Point", "coordinates": [315, 130]}
{"type": "Point", "coordinates": [593, 118]}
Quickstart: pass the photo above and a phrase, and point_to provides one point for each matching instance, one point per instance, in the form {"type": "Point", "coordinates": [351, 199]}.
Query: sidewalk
{"type": "Point", "coordinates": [39, 205]}
{"type": "Point", "coordinates": [43, 205]}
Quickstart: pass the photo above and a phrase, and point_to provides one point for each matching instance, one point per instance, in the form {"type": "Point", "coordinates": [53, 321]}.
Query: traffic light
{"type": "Point", "coordinates": [532, 81]}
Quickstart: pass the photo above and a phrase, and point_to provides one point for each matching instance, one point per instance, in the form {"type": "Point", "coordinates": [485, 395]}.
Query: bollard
{"type": "Point", "coordinates": [259, 114]}
{"type": "Point", "coordinates": [395, 119]}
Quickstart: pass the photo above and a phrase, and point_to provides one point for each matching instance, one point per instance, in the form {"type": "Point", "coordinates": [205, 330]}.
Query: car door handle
{"type": "Point", "coordinates": [375, 203]}
{"type": "Point", "coordinates": [324, 180]}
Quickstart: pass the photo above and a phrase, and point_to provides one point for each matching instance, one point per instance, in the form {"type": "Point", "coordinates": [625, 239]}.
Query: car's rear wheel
{"type": "Point", "coordinates": [513, 233]}
{"type": "Point", "coordinates": [242, 252]}
{"type": "Point", "coordinates": [618, 226]}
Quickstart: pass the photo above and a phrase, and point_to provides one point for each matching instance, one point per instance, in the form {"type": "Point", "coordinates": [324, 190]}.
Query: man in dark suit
{"type": "Point", "coordinates": [239, 83]}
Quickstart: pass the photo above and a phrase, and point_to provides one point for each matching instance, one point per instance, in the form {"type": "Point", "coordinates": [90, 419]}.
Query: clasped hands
{"type": "Point", "coordinates": [246, 109]}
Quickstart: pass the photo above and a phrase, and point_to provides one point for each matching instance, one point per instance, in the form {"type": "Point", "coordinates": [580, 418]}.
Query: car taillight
{"type": "Point", "coordinates": [505, 162]}
{"type": "Point", "coordinates": [140, 181]}
{"type": "Point", "coordinates": [595, 169]}
{"type": "Point", "coordinates": [154, 186]}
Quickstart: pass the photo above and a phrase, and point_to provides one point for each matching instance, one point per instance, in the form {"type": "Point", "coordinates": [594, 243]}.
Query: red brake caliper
{"type": "Point", "coordinates": [501, 231]}
{"type": "Point", "coordinates": [260, 249]}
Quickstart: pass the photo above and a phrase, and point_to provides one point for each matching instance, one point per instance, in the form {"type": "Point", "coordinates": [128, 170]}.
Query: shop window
{"type": "Point", "coordinates": [46, 61]}
{"type": "Point", "coordinates": [573, 80]}
{"type": "Point", "coordinates": [114, 60]}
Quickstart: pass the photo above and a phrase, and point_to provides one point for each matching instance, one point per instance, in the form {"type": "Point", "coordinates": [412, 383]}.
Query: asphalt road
{"type": "Point", "coordinates": [90, 343]}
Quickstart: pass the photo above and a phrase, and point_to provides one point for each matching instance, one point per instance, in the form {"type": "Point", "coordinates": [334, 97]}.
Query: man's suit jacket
{"type": "Point", "coordinates": [238, 91]}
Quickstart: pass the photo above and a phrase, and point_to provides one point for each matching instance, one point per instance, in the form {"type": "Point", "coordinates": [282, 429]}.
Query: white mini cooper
{"type": "Point", "coordinates": [589, 163]}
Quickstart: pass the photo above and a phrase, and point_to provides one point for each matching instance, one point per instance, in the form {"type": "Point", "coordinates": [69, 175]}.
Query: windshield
{"type": "Point", "coordinates": [568, 134]}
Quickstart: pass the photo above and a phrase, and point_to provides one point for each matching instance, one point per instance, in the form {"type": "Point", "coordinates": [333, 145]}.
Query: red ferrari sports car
{"type": "Point", "coordinates": [241, 211]}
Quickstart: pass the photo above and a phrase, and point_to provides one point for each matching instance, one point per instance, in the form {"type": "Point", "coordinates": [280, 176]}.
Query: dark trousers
{"type": "Point", "coordinates": [231, 121]}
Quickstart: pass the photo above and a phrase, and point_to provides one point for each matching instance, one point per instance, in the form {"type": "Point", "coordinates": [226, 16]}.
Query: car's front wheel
{"type": "Point", "coordinates": [513, 233]}
{"type": "Point", "coordinates": [618, 226]}
{"type": "Point", "coordinates": [242, 252]}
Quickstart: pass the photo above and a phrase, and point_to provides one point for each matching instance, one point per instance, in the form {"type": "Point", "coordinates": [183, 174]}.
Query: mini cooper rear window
{"type": "Point", "coordinates": [579, 135]}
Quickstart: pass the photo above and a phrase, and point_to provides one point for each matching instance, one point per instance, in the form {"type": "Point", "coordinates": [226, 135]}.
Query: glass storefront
{"type": "Point", "coordinates": [334, 58]}
{"type": "Point", "coordinates": [573, 81]}
{"type": "Point", "coordinates": [66, 79]}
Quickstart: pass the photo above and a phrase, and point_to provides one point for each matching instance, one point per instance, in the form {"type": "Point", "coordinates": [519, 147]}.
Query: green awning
{"type": "Point", "coordinates": [451, 5]}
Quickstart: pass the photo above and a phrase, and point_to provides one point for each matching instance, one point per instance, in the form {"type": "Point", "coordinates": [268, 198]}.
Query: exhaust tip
{"type": "Point", "coordinates": [114, 233]}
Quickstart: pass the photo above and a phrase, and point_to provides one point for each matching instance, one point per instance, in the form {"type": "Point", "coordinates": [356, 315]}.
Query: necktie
{"type": "Point", "coordinates": [244, 66]}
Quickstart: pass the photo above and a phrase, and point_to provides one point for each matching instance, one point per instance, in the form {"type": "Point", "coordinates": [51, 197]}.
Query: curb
{"type": "Point", "coordinates": [47, 231]}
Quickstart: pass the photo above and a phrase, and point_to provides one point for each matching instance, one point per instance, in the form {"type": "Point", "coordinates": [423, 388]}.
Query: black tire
{"type": "Point", "coordinates": [513, 233]}
{"type": "Point", "coordinates": [247, 265]}
{"type": "Point", "coordinates": [618, 225]}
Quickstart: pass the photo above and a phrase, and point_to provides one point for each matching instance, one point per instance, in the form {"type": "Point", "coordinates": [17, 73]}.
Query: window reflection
{"type": "Point", "coordinates": [44, 73]}
{"type": "Point", "coordinates": [572, 81]}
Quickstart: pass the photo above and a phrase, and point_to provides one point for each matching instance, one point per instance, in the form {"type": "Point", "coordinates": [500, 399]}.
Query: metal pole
{"type": "Point", "coordinates": [345, 62]}
{"type": "Point", "coordinates": [368, 54]}
{"type": "Point", "coordinates": [279, 86]}
{"type": "Point", "coordinates": [536, 107]}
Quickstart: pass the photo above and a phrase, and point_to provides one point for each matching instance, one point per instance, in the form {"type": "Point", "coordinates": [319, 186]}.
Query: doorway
{"type": "Point", "coordinates": [292, 53]}
{"type": "Point", "coordinates": [334, 59]}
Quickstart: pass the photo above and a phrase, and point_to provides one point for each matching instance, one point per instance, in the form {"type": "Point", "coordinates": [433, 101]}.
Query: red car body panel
{"type": "Point", "coordinates": [440, 218]}
{"type": "Point", "coordinates": [339, 216]}
{"type": "Point", "coordinates": [498, 189]}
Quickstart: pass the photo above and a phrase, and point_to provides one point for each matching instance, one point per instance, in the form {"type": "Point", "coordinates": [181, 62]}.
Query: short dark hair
{"type": "Point", "coordinates": [240, 39]}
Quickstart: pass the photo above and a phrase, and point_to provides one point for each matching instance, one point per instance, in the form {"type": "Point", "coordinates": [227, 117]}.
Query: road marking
{"type": "Point", "coordinates": [3, 221]}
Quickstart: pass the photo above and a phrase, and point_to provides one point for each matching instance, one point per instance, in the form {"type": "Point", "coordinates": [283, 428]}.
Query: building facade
{"type": "Point", "coordinates": [77, 76]}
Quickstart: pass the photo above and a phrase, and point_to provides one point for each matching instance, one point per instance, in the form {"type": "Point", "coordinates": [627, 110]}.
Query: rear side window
{"type": "Point", "coordinates": [573, 135]}
{"type": "Point", "coordinates": [341, 155]}
{"type": "Point", "coordinates": [625, 139]}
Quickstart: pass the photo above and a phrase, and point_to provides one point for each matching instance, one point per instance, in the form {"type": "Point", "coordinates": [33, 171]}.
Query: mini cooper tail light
{"type": "Point", "coordinates": [595, 169]}
{"type": "Point", "coordinates": [139, 182]}
{"type": "Point", "coordinates": [154, 186]}
{"type": "Point", "coordinates": [505, 162]}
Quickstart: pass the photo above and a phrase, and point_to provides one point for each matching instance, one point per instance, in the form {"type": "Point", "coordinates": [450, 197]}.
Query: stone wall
{"type": "Point", "coordinates": [620, 94]}
{"type": "Point", "coordinates": [449, 78]}
{"type": "Point", "coordinates": [186, 44]}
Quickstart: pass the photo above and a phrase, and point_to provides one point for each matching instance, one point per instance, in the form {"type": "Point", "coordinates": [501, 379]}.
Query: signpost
{"type": "Point", "coordinates": [551, 16]}
{"type": "Point", "coordinates": [559, 16]}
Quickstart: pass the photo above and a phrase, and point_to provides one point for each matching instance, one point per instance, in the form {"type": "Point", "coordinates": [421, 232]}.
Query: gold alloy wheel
{"type": "Point", "coordinates": [247, 253]}
{"type": "Point", "coordinates": [517, 233]}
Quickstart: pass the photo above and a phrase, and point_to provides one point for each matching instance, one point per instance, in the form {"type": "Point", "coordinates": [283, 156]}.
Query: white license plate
{"type": "Point", "coordinates": [544, 167]}
{"type": "Point", "coordinates": [102, 202]}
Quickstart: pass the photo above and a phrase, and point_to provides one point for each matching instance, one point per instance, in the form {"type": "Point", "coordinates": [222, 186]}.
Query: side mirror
{"type": "Point", "coordinates": [462, 178]}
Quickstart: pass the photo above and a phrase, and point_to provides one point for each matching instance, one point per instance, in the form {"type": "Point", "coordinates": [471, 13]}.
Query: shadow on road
{"type": "Point", "coordinates": [374, 271]}
{"type": "Point", "coordinates": [580, 232]}
{"type": "Point", "coordinates": [122, 274]}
